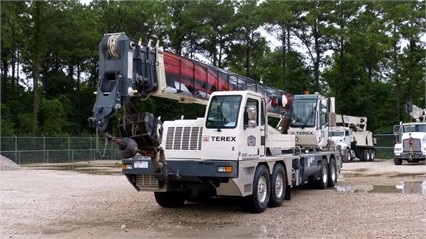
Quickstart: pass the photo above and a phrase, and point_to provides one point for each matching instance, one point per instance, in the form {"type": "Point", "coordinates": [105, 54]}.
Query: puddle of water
{"type": "Point", "coordinates": [355, 189]}
{"type": "Point", "coordinates": [404, 187]}
{"type": "Point", "coordinates": [82, 168]}
{"type": "Point", "coordinates": [412, 187]}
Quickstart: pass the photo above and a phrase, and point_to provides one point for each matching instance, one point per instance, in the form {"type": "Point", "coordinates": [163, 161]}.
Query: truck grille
{"type": "Point", "coordinates": [146, 182]}
{"type": "Point", "coordinates": [184, 138]}
{"type": "Point", "coordinates": [415, 144]}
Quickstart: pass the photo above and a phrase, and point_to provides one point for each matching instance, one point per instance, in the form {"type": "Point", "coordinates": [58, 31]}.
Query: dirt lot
{"type": "Point", "coordinates": [93, 200]}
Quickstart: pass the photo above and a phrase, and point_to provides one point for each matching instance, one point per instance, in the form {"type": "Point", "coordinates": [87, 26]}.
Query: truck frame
{"type": "Point", "coordinates": [232, 151]}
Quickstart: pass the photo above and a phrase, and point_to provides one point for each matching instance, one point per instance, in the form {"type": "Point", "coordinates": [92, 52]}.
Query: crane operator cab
{"type": "Point", "coordinates": [309, 120]}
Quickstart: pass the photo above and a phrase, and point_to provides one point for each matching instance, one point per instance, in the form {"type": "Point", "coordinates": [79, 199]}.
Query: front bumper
{"type": "Point", "coordinates": [184, 170]}
{"type": "Point", "coordinates": [414, 156]}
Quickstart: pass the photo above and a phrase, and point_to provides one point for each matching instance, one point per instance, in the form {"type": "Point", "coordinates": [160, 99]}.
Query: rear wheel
{"type": "Point", "coordinates": [372, 154]}
{"type": "Point", "coordinates": [278, 186]}
{"type": "Point", "coordinates": [322, 183]}
{"type": "Point", "coordinates": [332, 173]}
{"type": "Point", "coordinates": [366, 155]}
{"type": "Point", "coordinates": [397, 161]}
{"type": "Point", "coordinates": [170, 199]}
{"type": "Point", "coordinates": [259, 200]}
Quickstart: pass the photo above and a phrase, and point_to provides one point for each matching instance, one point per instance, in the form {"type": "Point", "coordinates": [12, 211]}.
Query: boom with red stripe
{"type": "Point", "coordinates": [131, 69]}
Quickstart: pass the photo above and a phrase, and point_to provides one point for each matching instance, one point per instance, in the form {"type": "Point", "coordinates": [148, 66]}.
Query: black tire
{"type": "Point", "coordinates": [278, 186]}
{"type": "Point", "coordinates": [365, 155]}
{"type": "Point", "coordinates": [332, 173]}
{"type": "Point", "coordinates": [346, 155]}
{"type": "Point", "coordinates": [372, 154]}
{"type": "Point", "coordinates": [259, 200]}
{"type": "Point", "coordinates": [397, 161]}
{"type": "Point", "coordinates": [322, 183]}
{"type": "Point", "coordinates": [170, 199]}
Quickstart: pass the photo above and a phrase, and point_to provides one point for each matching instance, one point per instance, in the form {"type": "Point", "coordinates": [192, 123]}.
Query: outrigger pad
{"type": "Point", "coordinates": [143, 128]}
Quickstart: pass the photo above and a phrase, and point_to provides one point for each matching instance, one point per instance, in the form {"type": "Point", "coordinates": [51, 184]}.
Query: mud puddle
{"type": "Point", "coordinates": [400, 187]}
{"type": "Point", "coordinates": [113, 169]}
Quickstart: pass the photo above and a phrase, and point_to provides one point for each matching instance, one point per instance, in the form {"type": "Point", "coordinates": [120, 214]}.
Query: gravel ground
{"type": "Point", "coordinates": [93, 200]}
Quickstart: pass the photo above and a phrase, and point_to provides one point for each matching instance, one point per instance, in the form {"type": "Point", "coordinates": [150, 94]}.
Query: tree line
{"type": "Point", "coordinates": [369, 55]}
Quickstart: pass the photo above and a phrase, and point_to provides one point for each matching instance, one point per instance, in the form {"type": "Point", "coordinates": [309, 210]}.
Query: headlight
{"type": "Point", "coordinates": [126, 166]}
{"type": "Point", "coordinates": [224, 169]}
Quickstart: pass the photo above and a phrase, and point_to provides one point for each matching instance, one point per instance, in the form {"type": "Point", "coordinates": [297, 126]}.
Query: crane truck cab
{"type": "Point", "coordinates": [309, 121]}
{"type": "Point", "coordinates": [236, 126]}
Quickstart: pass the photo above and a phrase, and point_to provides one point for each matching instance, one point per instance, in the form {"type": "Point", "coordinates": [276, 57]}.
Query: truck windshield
{"type": "Point", "coordinates": [223, 111]}
{"type": "Point", "coordinates": [414, 128]}
{"type": "Point", "coordinates": [303, 113]}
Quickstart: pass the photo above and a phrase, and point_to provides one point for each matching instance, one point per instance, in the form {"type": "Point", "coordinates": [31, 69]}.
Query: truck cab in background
{"type": "Point", "coordinates": [410, 142]}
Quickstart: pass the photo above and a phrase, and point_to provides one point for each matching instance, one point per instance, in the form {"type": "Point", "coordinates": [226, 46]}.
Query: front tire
{"type": "Point", "coordinates": [170, 199]}
{"type": "Point", "coordinates": [278, 186]}
{"type": "Point", "coordinates": [397, 161]}
{"type": "Point", "coordinates": [346, 155]}
{"type": "Point", "coordinates": [258, 201]}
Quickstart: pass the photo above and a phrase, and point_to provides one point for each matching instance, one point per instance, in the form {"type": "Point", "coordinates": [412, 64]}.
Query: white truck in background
{"type": "Point", "coordinates": [231, 151]}
{"type": "Point", "coordinates": [354, 140]}
{"type": "Point", "coordinates": [411, 138]}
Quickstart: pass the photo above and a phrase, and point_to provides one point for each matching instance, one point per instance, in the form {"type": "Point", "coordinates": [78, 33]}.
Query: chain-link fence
{"type": "Point", "coordinates": [23, 150]}
{"type": "Point", "coordinates": [384, 146]}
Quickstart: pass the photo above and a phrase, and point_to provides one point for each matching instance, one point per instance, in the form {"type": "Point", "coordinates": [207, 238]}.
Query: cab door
{"type": "Point", "coordinates": [251, 137]}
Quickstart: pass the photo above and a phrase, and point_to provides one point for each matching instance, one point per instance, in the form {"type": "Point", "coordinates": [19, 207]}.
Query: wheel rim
{"type": "Point", "coordinates": [279, 185]}
{"type": "Point", "coordinates": [261, 189]}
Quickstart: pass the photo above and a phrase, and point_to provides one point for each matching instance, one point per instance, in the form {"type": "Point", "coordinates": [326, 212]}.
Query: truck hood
{"type": "Point", "coordinates": [337, 138]}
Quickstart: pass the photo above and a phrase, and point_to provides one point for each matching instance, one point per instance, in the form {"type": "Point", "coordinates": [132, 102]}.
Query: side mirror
{"type": "Point", "coordinates": [396, 129]}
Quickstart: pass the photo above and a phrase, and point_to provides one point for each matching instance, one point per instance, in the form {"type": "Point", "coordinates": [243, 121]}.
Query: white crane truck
{"type": "Point", "coordinates": [232, 151]}
{"type": "Point", "coordinates": [353, 138]}
{"type": "Point", "coordinates": [411, 138]}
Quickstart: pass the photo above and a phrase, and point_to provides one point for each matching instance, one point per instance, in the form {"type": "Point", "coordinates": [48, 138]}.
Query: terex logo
{"type": "Point", "coordinates": [305, 133]}
{"type": "Point", "coordinates": [223, 138]}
